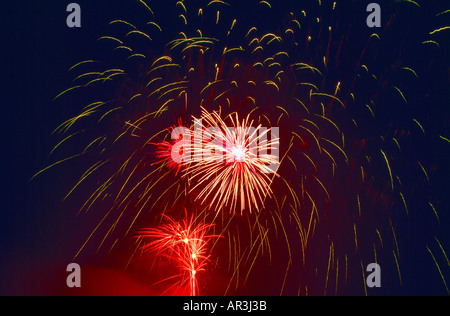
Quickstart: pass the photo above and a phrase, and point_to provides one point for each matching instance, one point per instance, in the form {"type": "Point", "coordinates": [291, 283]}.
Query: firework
{"type": "Point", "coordinates": [343, 102]}
{"type": "Point", "coordinates": [233, 165]}
{"type": "Point", "coordinates": [185, 243]}
{"type": "Point", "coordinates": [166, 149]}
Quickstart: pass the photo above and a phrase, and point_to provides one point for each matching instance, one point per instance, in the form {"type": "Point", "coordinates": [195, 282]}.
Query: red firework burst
{"type": "Point", "coordinates": [185, 243]}
{"type": "Point", "coordinates": [165, 149]}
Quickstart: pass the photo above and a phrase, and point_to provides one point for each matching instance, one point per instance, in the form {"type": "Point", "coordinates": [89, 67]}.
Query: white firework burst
{"type": "Point", "coordinates": [232, 166]}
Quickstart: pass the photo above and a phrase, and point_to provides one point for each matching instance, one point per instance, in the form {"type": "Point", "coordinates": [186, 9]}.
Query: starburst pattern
{"type": "Point", "coordinates": [234, 166]}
